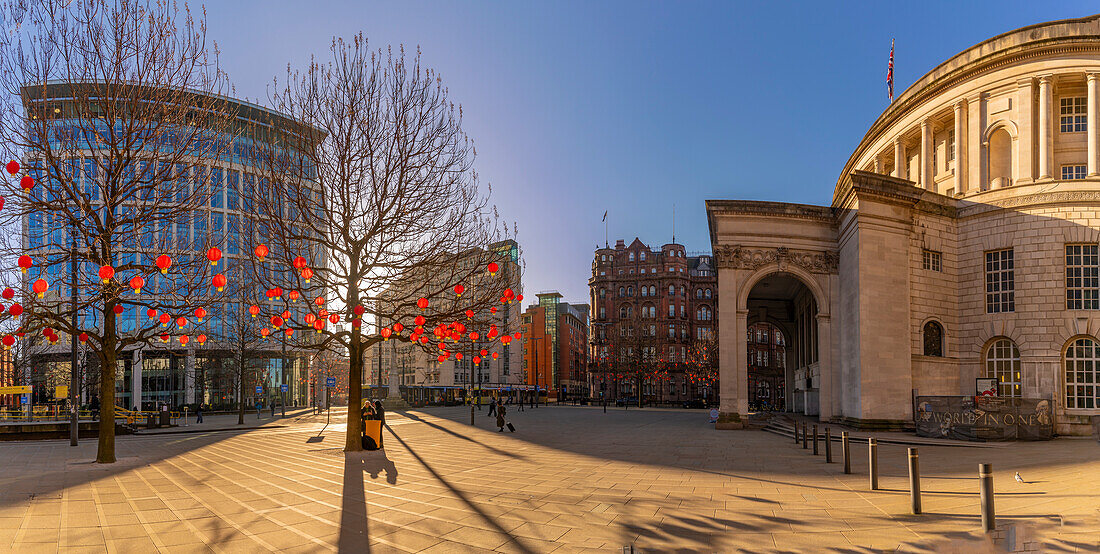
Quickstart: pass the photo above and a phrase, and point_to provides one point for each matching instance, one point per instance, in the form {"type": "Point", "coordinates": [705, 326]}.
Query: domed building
{"type": "Point", "coordinates": [962, 243]}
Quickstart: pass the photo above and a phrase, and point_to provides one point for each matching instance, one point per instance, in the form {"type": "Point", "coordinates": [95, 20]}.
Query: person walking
{"type": "Point", "coordinates": [380, 415]}
{"type": "Point", "coordinates": [198, 414]}
{"type": "Point", "coordinates": [492, 406]}
{"type": "Point", "coordinates": [519, 401]}
{"type": "Point", "coordinates": [272, 409]}
{"type": "Point", "coordinates": [500, 419]}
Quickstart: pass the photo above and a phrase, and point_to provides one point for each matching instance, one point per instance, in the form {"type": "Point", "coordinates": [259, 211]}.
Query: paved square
{"type": "Point", "coordinates": [569, 480]}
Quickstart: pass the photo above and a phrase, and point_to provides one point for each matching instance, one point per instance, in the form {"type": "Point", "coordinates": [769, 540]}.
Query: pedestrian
{"type": "Point", "coordinates": [258, 405]}
{"type": "Point", "coordinates": [519, 401]}
{"type": "Point", "coordinates": [492, 406]}
{"type": "Point", "coordinates": [272, 409]}
{"type": "Point", "coordinates": [95, 407]}
{"type": "Point", "coordinates": [198, 414]}
{"type": "Point", "coordinates": [380, 414]}
{"type": "Point", "coordinates": [500, 419]}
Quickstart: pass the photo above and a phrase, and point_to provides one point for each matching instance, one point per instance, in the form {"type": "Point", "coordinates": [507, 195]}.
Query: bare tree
{"type": "Point", "coordinates": [701, 366]}
{"type": "Point", "coordinates": [112, 105]}
{"type": "Point", "coordinates": [376, 195]}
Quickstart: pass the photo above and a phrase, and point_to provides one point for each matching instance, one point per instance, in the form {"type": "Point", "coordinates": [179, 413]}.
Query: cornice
{"type": "Point", "coordinates": [1031, 200]}
{"type": "Point", "coordinates": [736, 257]}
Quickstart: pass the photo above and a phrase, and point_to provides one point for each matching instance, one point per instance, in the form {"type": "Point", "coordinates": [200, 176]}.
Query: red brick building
{"type": "Point", "coordinates": [650, 309]}
{"type": "Point", "coordinates": [767, 356]}
{"type": "Point", "coordinates": [555, 346]}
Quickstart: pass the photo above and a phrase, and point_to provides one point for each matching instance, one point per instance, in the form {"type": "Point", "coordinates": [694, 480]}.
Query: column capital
{"type": "Point", "coordinates": [1090, 77]}
{"type": "Point", "coordinates": [1046, 79]}
{"type": "Point", "coordinates": [960, 104]}
{"type": "Point", "coordinates": [925, 123]}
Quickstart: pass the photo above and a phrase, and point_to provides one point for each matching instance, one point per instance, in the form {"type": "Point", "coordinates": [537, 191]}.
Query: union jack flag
{"type": "Point", "coordinates": [890, 72]}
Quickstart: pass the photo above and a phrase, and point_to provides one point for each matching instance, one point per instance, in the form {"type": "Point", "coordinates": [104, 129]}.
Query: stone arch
{"type": "Point", "coordinates": [924, 327]}
{"type": "Point", "coordinates": [1001, 158]}
{"type": "Point", "coordinates": [805, 277]}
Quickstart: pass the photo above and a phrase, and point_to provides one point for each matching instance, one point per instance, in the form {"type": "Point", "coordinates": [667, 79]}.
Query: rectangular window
{"type": "Point", "coordinates": [951, 146]}
{"type": "Point", "coordinates": [1000, 283]}
{"type": "Point", "coordinates": [1070, 172]}
{"type": "Point", "coordinates": [932, 260]}
{"type": "Point", "coordinates": [1074, 114]}
{"type": "Point", "coordinates": [1082, 277]}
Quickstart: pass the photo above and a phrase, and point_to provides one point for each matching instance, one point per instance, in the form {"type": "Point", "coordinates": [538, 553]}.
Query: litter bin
{"type": "Point", "coordinates": [372, 434]}
{"type": "Point", "coordinates": [151, 422]}
{"type": "Point", "coordinates": [165, 419]}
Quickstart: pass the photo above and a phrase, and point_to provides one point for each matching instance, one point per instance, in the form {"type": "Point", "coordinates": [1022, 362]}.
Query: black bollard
{"type": "Point", "coordinates": [815, 440]}
{"type": "Point", "coordinates": [828, 446]}
{"type": "Point", "coordinates": [914, 481]}
{"type": "Point", "coordinates": [795, 432]}
{"type": "Point", "coordinates": [846, 451]}
{"type": "Point", "coordinates": [872, 459]}
{"type": "Point", "coordinates": [805, 439]}
{"type": "Point", "coordinates": [985, 480]}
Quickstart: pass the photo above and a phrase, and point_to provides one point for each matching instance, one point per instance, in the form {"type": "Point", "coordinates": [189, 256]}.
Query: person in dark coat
{"type": "Point", "coordinates": [380, 415]}
{"type": "Point", "coordinates": [492, 406]}
{"type": "Point", "coordinates": [500, 419]}
{"type": "Point", "coordinates": [198, 414]}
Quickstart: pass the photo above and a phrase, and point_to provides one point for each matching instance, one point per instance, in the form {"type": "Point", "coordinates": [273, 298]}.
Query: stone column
{"type": "Point", "coordinates": [900, 162]}
{"type": "Point", "coordinates": [1025, 102]}
{"type": "Point", "coordinates": [1094, 148]}
{"type": "Point", "coordinates": [825, 390]}
{"type": "Point", "coordinates": [960, 147]}
{"type": "Point", "coordinates": [927, 169]}
{"type": "Point", "coordinates": [878, 163]}
{"type": "Point", "coordinates": [189, 377]}
{"type": "Point", "coordinates": [1046, 127]}
{"type": "Point", "coordinates": [740, 370]}
{"type": "Point", "coordinates": [135, 374]}
{"type": "Point", "coordinates": [975, 154]}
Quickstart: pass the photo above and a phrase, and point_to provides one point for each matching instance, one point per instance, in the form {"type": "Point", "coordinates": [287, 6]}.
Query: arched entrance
{"type": "Point", "coordinates": [767, 357]}
{"type": "Point", "coordinates": [782, 301]}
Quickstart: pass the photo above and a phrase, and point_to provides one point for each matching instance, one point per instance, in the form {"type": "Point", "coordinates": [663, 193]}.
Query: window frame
{"type": "Point", "coordinates": [1001, 351]}
{"type": "Point", "coordinates": [1002, 279]}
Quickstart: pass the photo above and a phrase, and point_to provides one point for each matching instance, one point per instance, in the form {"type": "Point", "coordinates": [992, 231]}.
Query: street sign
{"type": "Point", "coordinates": [284, 387]}
{"type": "Point", "coordinates": [259, 389]}
{"type": "Point", "coordinates": [330, 382]}
{"type": "Point", "coordinates": [16, 390]}
{"type": "Point", "coordinates": [61, 391]}
{"type": "Point", "coordinates": [23, 399]}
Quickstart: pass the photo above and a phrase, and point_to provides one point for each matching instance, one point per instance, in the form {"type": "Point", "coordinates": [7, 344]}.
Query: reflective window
{"type": "Point", "coordinates": [1002, 362]}
{"type": "Point", "coordinates": [1083, 374]}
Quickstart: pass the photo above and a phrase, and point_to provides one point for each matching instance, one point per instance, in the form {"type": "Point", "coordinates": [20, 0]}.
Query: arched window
{"type": "Point", "coordinates": [630, 291]}
{"type": "Point", "coordinates": [681, 290]}
{"type": "Point", "coordinates": [644, 291]}
{"type": "Point", "coordinates": [1083, 374]}
{"type": "Point", "coordinates": [1000, 159]}
{"type": "Point", "coordinates": [933, 339]}
{"type": "Point", "coordinates": [622, 291]}
{"type": "Point", "coordinates": [707, 293]}
{"type": "Point", "coordinates": [1002, 362]}
{"type": "Point", "coordinates": [603, 292]}
{"type": "Point", "coordinates": [622, 312]}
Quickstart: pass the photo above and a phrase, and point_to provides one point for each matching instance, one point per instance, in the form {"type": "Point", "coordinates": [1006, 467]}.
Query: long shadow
{"type": "Point", "coordinates": [461, 496]}
{"type": "Point", "coordinates": [354, 529]}
{"type": "Point", "coordinates": [463, 437]}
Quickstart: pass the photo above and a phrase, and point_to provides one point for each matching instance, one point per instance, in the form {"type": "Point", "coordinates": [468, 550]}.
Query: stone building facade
{"type": "Point", "coordinates": [961, 243]}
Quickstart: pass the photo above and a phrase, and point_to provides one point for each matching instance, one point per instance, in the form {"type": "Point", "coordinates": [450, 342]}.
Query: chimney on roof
{"type": "Point", "coordinates": [619, 244]}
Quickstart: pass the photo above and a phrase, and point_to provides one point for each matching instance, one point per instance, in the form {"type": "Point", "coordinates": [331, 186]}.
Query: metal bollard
{"type": "Point", "coordinates": [914, 481]}
{"type": "Point", "coordinates": [795, 426]}
{"type": "Point", "coordinates": [815, 440]}
{"type": "Point", "coordinates": [828, 446]}
{"type": "Point", "coordinates": [846, 451]}
{"type": "Point", "coordinates": [872, 459]}
{"type": "Point", "coordinates": [985, 480]}
{"type": "Point", "coordinates": [805, 431]}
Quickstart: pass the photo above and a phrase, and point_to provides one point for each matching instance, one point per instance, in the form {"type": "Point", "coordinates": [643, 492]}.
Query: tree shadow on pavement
{"type": "Point", "coordinates": [463, 437]}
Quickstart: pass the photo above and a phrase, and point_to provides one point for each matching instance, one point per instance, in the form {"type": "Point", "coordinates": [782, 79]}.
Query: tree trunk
{"type": "Point", "coordinates": [108, 360]}
{"type": "Point", "coordinates": [240, 390]}
{"type": "Point", "coordinates": [353, 442]}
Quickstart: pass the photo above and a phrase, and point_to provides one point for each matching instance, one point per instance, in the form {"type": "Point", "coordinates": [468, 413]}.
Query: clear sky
{"type": "Point", "coordinates": [632, 107]}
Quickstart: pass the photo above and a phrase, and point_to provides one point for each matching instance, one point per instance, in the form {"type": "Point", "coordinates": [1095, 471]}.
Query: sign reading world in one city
{"type": "Point", "coordinates": [331, 382]}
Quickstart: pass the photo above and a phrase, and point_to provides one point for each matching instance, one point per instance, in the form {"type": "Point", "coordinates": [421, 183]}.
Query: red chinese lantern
{"type": "Point", "coordinates": [264, 332]}
{"type": "Point", "coordinates": [278, 293]}
{"type": "Point", "coordinates": [358, 310]}
{"type": "Point", "coordinates": [294, 295]}
{"type": "Point", "coordinates": [119, 309]}
{"type": "Point", "coordinates": [289, 332]}
{"type": "Point", "coordinates": [334, 318]}
{"type": "Point", "coordinates": [419, 320]}
{"type": "Point", "coordinates": [477, 360]}
{"type": "Point", "coordinates": [459, 289]}
{"type": "Point", "coordinates": [8, 293]}
{"type": "Point", "coordinates": [474, 335]}
{"type": "Point", "coordinates": [8, 341]}
{"type": "Point", "coordinates": [15, 310]}
{"type": "Point", "coordinates": [509, 294]}
{"type": "Point", "coordinates": [214, 254]}
{"type": "Point", "coordinates": [184, 340]}
{"type": "Point", "coordinates": [469, 314]}
{"type": "Point", "coordinates": [506, 339]}
{"type": "Point", "coordinates": [307, 274]}
{"type": "Point", "coordinates": [286, 314]}
{"type": "Point", "coordinates": [164, 319]}
{"type": "Point", "coordinates": [83, 338]}
{"type": "Point", "coordinates": [442, 358]}
{"type": "Point", "coordinates": [493, 310]}
{"type": "Point", "coordinates": [200, 313]}
{"type": "Point", "coordinates": [12, 167]}
{"type": "Point", "coordinates": [397, 327]}
{"type": "Point", "coordinates": [181, 322]}
{"type": "Point", "coordinates": [164, 261]}
{"type": "Point", "coordinates": [25, 263]}
{"type": "Point", "coordinates": [495, 355]}
{"type": "Point", "coordinates": [26, 183]}
{"type": "Point", "coordinates": [219, 281]}
{"type": "Point", "coordinates": [484, 352]}
{"type": "Point", "coordinates": [151, 313]}
{"type": "Point", "coordinates": [299, 262]}
{"type": "Point", "coordinates": [105, 273]}
{"type": "Point", "coordinates": [136, 282]}
{"type": "Point", "coordinates": [276, 321]}
{"type": "Point", "coordinates": [261, 252]}
{"type": "Point", "coordinates": [460, 328]}
{"type": "Point", "coordinates": [493, 268]}
{"type": "Point", "coordinates": [322, 313]}
{"type": "Point", "coordinates": [40, 287]}
{"type": "Point", "coordinates": [201, 339]}
{"type": "Point", "coordinates": [386, 333]}
{"type": "Point", "coordinates": [320, 301]}
{"type": "Point", "coordinates": [309, 319]}
{"type": "Point", "coordinates": [253, 309]}
{"type": "Point", "coordinates": [458, 355]}
{"type": "Point", "coordinates": [164, 338]}
{"type": "Point", "coordinates": [518, 335]}
{"type": "Point", "coordinates": [519, 298]}
{"type": "Point", "coordinates": [319, 324]}
{"type": "Point", "coordinates": [422, 303]}
{"type": "Point", "coordinates": [423, 340]}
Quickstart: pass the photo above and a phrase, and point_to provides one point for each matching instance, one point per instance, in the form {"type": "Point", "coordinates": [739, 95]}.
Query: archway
{"type": "Point", "coordinates": [767, 357]}
{"type": "Point", "coordinates": [783, 302]}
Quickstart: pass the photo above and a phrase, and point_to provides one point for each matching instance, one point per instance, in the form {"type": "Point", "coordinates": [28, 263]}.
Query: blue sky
{"type": "Point", "coordinates": [631, 107]}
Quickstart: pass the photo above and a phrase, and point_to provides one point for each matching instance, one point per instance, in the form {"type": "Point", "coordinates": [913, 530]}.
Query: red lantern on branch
{"type": "Point", "coordinates": [469, 314]}
{"type": "Point", "coordinates": [286, 315]}
{"type": "Point", "coordinates": [493, 268]}
{"type": "Point", "coordinates": [151, 313]}
{"type": "Point", "coordinates": [26, 183]}
{"type": "Point", "coordinates": [474, 335]}
{"type": "Point", "coordinates": [15, 310]}
{"type": "Point", "coordinates": [214, 254]}
{"type": "Point", "coordinates": [105, 273]}
{"type": "Point", "coordinates": [319, 325]}
{"type": "Point", "coordinates": [419, 320]}
{"type": "Point", "coordinates": [25, 263]}
{"type": "Point", "coordinates": [184, 340]}
{"type": "Point", "coordinates": [201, 339]}
{"type": "Point", "coordinates": [484, 352]}
{"type": "Point", "coordinates": [164, 319]}
{"type": "Point", "coordinates": [459, 289]}
{"type": "Point", "coordinates": [386, 333]}
{"type": "Point", "coordinates": [253, 309]}
{"type": "Point", "coordinates": [299, 262]}
{"type": "Point", "coordinates": [309, 319]}
{"type": "Point", "coordinates": [495, 355]}
{"type": "Point", "coordinates": [261, 252]}
{"type": "Point", "coordinates": [12, 167]}
{"type": "Point", "coordinates": [294, 295]}
{"type": "Point", "coordinates": [422, 303]}
{"type": "Point", "coordinates": [358, 310]}
{"type": "Point", "coordinates": [164, 262]}
{"type": "Point", "coordinates": [320, 301]}
{"type": "Point", "coordinates": [40, 287]}
{"type": "Point", "coordinates": [458, 356]}
{"type": "Point", "coordinates": [477, 360]}
{"type": "Point", "coordinates": [398, 327]}
{"type": "Point", "coordinates": [519, 298]}
{"type": "Point", "coordinates": [83, 338]}
{"type": "Point", "coordinates": [289, 333]}
{"type": "Point", "coordinates": [307, 274]}
{"type": "Point", "coordinates": [8, 293]}
{"type": "Point", "coordinates": [181, 322]}
{"type": "Point", "coordinates": [119, 309]}
{"type": "Point", "coordinates": [493, 310]}
{"type": "Point", "coordinates": [9, 341]}
{"type": "Point", "coordinates": [136, 282]}
{"type": "Point", "coordinates": [265, 332]}
{"type": "Point", "coordinates": [518, 335]}
{"type": "Point", "coordinates": [164, 338]}
{"type": "Point", "coordinates": [276, 321]}
{"type": "Point", "coordinates": [219, 282]}
{"type": "Point", "coordinates": [509, 295]}
{"type": "Point", "coordinates": [334, 318]}
{"type": "Point", "coordinates": [200, 313]}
